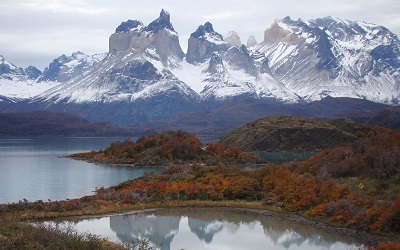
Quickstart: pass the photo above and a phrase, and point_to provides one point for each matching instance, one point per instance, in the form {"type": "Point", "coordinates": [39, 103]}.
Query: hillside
{"type": "Point", "coordinates": [45, 123]}
{"type": "Point", "coordinates": [219, 122]}
{"type": "Point", "coordinates": [291, 133]}
{"type": "Point", "coordinates": [388, 117]}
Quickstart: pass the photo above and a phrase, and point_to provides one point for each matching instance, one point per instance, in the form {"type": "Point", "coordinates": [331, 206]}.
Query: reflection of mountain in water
{"type": "Point", "coordinates": [159, 230]}
{"type": "Point", "coordinates": [205, 230]}
{"type": "Point", "coordinates": [280, 231]}
{"type": "Point", "coordinates": [161, 226]}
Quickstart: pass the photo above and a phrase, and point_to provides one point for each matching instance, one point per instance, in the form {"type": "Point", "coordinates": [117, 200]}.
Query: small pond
{"type": "Point", "coordinates": [213, 229]}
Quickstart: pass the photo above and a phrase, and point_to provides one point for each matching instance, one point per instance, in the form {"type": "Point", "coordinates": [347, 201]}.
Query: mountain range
{"type": "Point", "coordinates": [145, 76]}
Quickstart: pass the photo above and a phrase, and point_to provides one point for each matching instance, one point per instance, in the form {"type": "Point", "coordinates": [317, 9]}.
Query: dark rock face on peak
{"type": "Point", "coordinates": [11, 72]}
{"type": "Point", "coordinates": [157, 41]}
{"type": "Point", "coordinates": [203, 42]}
{"type": "Point", "coordinates": [128, 26]}
{"type": "Point", "coordinates": [32, 72]}
{"type": "Point", "coordinates": [321, 44]}
{"type": "Point", "coordinates": [6, 68]}
{"type": "Point", "coordinates": [207, 28]}
{"type": "Point", "coordinates": [163, 22]}
{"type": "Point", "coordinates": [240, 58]}
{"type": "Point", "coordinates": [215, 65]}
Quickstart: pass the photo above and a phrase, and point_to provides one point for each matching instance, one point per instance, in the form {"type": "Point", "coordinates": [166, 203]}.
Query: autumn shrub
{"type": "Point", "coordinates": [299, 192]}
{"type": "Point", "coordinates": [388, 246]}
{"type": "Point", "coordinates": [377, 157]}
{"type": "Point", "coordinates": [389, 220]}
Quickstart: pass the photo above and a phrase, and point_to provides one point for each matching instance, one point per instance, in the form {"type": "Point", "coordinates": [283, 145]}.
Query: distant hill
{"type": "Point", "coordinates": [45, 123]}
{"type": "Point", "coordinates": [221, 121]}
{"type": "Point", "coordinates": [388, 117]}
{"type": "Point", "coordinates": [292, 133]}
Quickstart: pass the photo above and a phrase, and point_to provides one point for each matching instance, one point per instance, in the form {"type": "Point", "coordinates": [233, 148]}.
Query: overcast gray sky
{"type": "Point", "coordinates": [34, 32]}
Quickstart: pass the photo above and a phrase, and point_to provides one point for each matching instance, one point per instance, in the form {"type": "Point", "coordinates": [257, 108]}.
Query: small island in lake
{"type": "Point", "coordinates": [169, 148]}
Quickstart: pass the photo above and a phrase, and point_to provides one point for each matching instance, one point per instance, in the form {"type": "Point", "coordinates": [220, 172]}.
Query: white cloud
{"type": "Point", "coordinates": [62, 6]}
{"type": "Point", "coordinates": [223, 15]}
{"type": "Point", "coordinates": [29, 28]}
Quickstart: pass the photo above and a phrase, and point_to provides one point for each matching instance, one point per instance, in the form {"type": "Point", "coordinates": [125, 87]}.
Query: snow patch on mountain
{"type": "Point", "coordinates": [191, 74]}
{"type": "Point", "coordinates": [18, 90]}
{"type": "Point", "coordinates": [330, 56]}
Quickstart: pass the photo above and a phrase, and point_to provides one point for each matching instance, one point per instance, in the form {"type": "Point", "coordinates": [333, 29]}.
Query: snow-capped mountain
{"type": "Point", "coordinates": [133, 82]}
{"type": "Point", "coordinates": [146, 76]}
{"type": "Point", "coordinates": [65, 68]}
{"type": "Point", "coordinates": [329, 56]}
{"type": "Point", "coordinates": [17, 84]}
{"type": "Point", "coordinates": [9, 71]}
{"type": "Point", "coordinates": [219, 71]}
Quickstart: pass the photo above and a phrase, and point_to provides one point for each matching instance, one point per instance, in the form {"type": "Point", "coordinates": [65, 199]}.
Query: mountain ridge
{"type": "Point", "coordinates": [147, 76]}
{"type": "Point", "coordinates": [45, 123]}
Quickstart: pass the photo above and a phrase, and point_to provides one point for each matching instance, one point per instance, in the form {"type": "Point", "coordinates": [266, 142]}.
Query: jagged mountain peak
{"type": "Point", "coordinates": [251, 41]}
{"type": "Point", "coordinates": [203, 42]}
{"type": "Point", "coordinates": [128, 26]}
{"type": "Point", "coordinates": [158, 42]}
{"type": "Point", "coordinates": [233, 38]}
{"type": "Point", "coordinates": [32, 72]}
{"type": "Point", "coordinates": [3, 61]}
{"type": "Point", "coordinates": [206, 32]}
{"type": "Point", "coordinates": [276, 33]}
{"type": "Point", "coordinates": [9, 71]}
{"type": "Point", "coordinates": [344, 58]}
{"type": "Point", "coordinates": [162, 22]}
{"type": "Point", "coordinates": [64, 67]}
{"type": "Point", "coordinates": [346, 30]}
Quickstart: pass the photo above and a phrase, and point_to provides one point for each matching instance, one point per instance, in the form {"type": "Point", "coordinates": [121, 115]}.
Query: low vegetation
{"type": "Point", "coordinates": [291, 133]}
{"type": "Point", "coordinates": [17, 235]}
{"type": "Point", "coordinates": [354, 186]}
{"type": "Point", "coordinates": [166, 149]}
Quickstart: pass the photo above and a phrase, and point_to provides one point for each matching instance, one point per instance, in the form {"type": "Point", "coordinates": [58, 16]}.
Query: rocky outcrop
{"type": "Point", "coordinates": [251, 41]}
{"type": "Point", "coordinates": [203, 42]}
{"type": "Point", "coordinates": [158, 41]}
